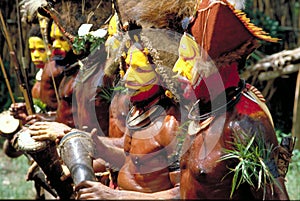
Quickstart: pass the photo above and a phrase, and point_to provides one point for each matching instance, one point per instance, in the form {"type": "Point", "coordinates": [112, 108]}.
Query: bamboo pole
{"type": "Point", "coordinates": [296, 113]}
{"type": "Point", "coordinates": [7, 82]}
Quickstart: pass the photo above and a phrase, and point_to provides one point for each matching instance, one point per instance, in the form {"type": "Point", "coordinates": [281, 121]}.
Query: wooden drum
{"type": "Point", "coordinates": [46, 156]}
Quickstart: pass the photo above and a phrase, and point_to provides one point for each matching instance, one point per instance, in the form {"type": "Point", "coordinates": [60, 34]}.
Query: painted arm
{"type": "Point", "coordinates": [96, 190]}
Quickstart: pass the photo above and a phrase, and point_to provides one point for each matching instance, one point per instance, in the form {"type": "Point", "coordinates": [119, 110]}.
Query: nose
{"type": "Point", "coordinates": [56, 44]}
{"type": "Point", "coordinates": [36, 54]}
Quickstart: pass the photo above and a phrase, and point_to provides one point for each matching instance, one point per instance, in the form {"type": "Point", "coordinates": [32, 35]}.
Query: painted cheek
{"type": "Point", "coordinates": [144, 78]}
{"type": "Point", "coordinates": [32, 57]}
{"type": "Point", "coordinates": [38, 56]}
{"type": "Point", "coordinates": [65, 46]}
{"type": "Point", "coordinates": [62, 45]}
{"type": "Point", "coordinates": [56, 44]}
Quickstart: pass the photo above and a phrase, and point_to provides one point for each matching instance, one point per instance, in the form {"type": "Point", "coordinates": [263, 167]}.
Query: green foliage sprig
{"type": "Point", "coordinates": [106, 93]}
{"type": "Point", "coordinates": [253, 157]}
{"type": "Point", "coordinates": [40, 107]}
{"type": "Point", "coordinates": [86, 43]}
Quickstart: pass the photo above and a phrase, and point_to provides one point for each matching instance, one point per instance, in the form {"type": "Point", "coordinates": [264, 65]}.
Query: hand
{"type": "Point", "coordinates": [53, 131]}
{"type": "Point", "coordinates": [19, 111]}
{"type": "Point", "coordinates": [30, 171]}
{"type": "Point", "coordinates": [31, 119]}
{"type": "Point", "coordinates": [94, 190]}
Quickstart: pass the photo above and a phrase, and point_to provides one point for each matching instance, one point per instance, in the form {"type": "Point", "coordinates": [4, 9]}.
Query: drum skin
{"type": "Point", "coordinates": [8, 125]}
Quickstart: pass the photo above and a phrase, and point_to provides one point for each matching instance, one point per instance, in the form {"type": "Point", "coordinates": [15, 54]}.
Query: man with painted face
{"type": "Point", "coordinates": [146, 163]}
{"type": "Point", "coordinates": [53, 71]}
{"type": "Point", "coordinates": [229, 119]}
{"type": "Point", "coordinates": [39, 58]}
{"type": "Point", "coordinates": [87, 101]}
{"type": "Point", "coordinates": [51, 75]}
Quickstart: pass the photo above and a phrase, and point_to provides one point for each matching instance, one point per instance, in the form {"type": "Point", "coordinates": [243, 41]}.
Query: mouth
{"type": "Point", "coordinates": [39, 64]}
{"type": "Point", "coordinates": [133, 84]}
{"type": "Point", "coordinates": [58, 53]}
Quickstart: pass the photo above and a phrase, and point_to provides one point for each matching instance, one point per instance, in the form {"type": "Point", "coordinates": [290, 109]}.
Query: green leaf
{"type": "Point", "coordinates": [251, 153]}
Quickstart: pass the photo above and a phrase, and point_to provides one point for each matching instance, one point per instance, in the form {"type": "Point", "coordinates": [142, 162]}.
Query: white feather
{"type": "Point", "coordinates": [31, 6]}
{"type": "Point", "coordinates": [237, 4]}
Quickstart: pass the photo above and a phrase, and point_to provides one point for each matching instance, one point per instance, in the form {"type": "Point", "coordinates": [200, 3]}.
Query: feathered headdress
{"type": "Point", "coordinates": [71, 14]}
{"type": "Point", "coordinates": [157, 13]}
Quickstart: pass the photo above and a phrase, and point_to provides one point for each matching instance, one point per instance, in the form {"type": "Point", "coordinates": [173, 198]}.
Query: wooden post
{"type": "Point", "coordinates": [296, 114]}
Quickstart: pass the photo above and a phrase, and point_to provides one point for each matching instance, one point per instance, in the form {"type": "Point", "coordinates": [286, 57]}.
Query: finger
{"type": "Point", "coordinates": [57, 141]}
{"type": "Point", "coordinates": [82, 186]}
{"type": "Point", "coordinates": [21, 104]}
{"type": "Point", "coordinates": [42, 137]}
{"type": "Point", "coordinates": [40, 123]}
{"type": "Point", "coordinates": [29, 117]}
{"type": "Point", "coordinates": [86, 196]}
{"type": "Point", "coordinates": [31, 122]}
{"type": "Point", "coordinates": [38, 127]}
{"type": "Point", "coordinates": [37, 132]}
{"type": "Point", "coordinates": [67, 130]}
{"type": "Point", "coordinates": [94, 131]}
{"type": "Point", "coordinates": [11, 109]}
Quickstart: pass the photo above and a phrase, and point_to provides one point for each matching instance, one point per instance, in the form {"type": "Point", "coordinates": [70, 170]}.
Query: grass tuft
{"type": "Point", "coordinates": [254, 162]}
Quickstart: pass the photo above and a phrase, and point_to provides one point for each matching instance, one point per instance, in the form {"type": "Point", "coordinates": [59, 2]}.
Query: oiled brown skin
{"type": "Point", "coordinates": [92, 110]}
{"type": "Point", "coordinates": [119, 108]}
{"type": "Point", "coordinates": [47, 91]}
{"type": "Point", "coordinates": [151, 146]}
{"type": "Point", "coordinates": [35, 91]}
{"type": "Point", "coordinates": [82, 105]}
{"type": "Point", "coordinates": [202, 174]}
{"type": "Point", "coordinates": [64, 113]}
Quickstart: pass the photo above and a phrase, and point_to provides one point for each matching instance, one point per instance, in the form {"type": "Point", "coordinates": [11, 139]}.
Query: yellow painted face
{"type": "Point", "coordinates": [113, 25]}
{"type": "Point", "coordinates": [59, 45]}
{"type": "Point", "coordinates": [140, 75]}
{"type": "Point", "coordinates": [112, 43]}
{"type": "Point", "coordinates": [188, 55]}
{"type": "Point", "coordinates": [37, 51]}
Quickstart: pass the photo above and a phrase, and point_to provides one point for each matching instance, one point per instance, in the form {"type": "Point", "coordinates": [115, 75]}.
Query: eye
{"type": "Point", "coordinates": [31, 50]}
{"type": "Point", "coordinates": [42, 50]}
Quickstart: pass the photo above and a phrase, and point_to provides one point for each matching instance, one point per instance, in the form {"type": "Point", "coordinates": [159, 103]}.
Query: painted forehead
{"type": "Point", "coordinates": [55, 32]}
{"type": "Point", "coordinates": [36, 41]}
